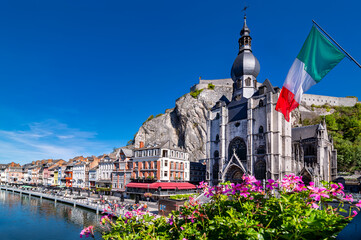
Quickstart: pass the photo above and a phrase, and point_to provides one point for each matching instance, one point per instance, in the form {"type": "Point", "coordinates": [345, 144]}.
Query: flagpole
{"type": "Point", "coordinates": [337, 44]}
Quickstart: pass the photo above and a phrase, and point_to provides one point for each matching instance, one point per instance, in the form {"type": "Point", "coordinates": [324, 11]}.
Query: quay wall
{"type": "Point", "coordinates": [75, 203]}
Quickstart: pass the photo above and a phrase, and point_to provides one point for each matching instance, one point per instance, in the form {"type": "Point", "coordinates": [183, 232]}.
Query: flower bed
{"type": "Point", "coordinates": [285, 209]}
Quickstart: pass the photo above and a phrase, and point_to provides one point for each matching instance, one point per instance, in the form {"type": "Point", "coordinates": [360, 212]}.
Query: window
{"type": "Point", "coordinates": [260, 130]}
{"type": "Point", "coordinates": [239, 83]}
{"type": "Point", "coordinates": [165, 153]}
{"type": "Point", "coordinates": [248, 81]}
{"type": "Point", "coordinates": [166, 163]}
{"type": "Point", "coordinates": [261, 103]}
{"type": "Point", "coordinates": [217, 138]}
{"type": "Point", "coordinates": [166, 174]}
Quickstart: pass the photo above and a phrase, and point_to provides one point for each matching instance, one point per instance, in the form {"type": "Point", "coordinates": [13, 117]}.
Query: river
{"type": "Point", "coordinates": [31, 218]}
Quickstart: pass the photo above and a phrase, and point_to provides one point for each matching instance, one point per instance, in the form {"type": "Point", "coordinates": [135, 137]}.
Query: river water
{"type": "Point", "coordinates": [31, 218]}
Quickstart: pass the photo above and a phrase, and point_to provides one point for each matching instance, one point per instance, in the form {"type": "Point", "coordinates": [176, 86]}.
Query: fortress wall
{"type": "Point", "coordinates": [217, 82]}
{"type": "Point", "coordinates": [320, 100]}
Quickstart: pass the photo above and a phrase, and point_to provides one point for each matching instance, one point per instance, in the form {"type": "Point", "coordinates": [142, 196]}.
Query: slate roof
{"type": "Point", "coordinates": [237, 110]}
{"type": "Point", "coordinates": [304, 132]}
{"type": "Point", "coordinates": [127, 152]}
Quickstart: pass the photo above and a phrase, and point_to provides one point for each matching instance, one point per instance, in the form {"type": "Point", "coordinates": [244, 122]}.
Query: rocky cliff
{"type": "Point", "coordinates": [185, 125]}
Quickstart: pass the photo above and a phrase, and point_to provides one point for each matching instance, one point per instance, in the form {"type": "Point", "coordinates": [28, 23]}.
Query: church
{"type": "Point", "coordinates": [246, 135]}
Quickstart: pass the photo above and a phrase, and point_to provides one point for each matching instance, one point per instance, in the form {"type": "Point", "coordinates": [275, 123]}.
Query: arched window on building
{"type": "Point", "coordinates": [215, 165]}
{"type": "Point", "coordinates": [248, 81]}
{"type": "Point", "coordinates": [260, 130]}
{"type": "Point", "coordinates": [260, 170]}
{"type": "Point", "coordinates": [217, 138]}
{"type": "Point", "coordinates": [237, 146]}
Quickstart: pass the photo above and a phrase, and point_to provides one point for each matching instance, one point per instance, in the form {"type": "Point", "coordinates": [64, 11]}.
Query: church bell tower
{"type": "Point", "coordinates": [245, 68]}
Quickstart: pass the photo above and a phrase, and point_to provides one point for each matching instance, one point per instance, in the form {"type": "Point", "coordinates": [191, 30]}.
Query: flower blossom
{"type": "Point", "coordinates": [354, 213]}
{"type": "Point", "coordinates": [87, 231]}
{"type": "Point", "coordinates": [358, 204]}
{"type": "Point", "coordinates": [348, 198]}
{"type": "Point", "coordinates": [318, 193]}
{"type": "Point", "coordinates": [271, 184]}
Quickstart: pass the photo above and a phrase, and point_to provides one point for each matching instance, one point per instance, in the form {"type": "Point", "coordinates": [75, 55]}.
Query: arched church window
{"type": "Point", "coordinates": [237, 146]}
{"type": "Point", "coordinates": [261, 103]}
{"type": "Point", "coordinates": [260, 170]}
{"type": "Point", "coordinates": [217, 116]}
{"type": "Point", "coordinates": [261, 150]}
{"type": "Point", "coordinates": [248, 81]}
{"type": "Point", "coordinates": [260, 130]}
{"type": "Point", "coordinates": [216, 165]}
{"type": "Point", "coordinates": [216, 154]}
{"type": "Point", "coordinates": [217, 138]}
{"type": "Point", "coordinates": [237, 124]}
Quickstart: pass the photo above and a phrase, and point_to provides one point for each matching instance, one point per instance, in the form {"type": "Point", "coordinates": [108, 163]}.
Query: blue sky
{"type": "Point", "coordinates": [80, 77]}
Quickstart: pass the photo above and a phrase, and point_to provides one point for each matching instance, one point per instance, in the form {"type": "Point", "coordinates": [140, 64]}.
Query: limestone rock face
{"type": "Point", "coordinates": [186, 124]}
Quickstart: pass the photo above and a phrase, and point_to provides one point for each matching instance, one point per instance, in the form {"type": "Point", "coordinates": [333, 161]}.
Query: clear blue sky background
{"type": "Point", "coordinates": [80, 77]}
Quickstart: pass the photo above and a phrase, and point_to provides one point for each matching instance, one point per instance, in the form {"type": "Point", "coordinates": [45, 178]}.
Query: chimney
{"type": "Point", "coordinates": [141, 144]}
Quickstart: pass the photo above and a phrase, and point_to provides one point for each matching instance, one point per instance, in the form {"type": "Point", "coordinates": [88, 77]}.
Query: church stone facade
{"type": "Point", "coordinates": [247, 135]}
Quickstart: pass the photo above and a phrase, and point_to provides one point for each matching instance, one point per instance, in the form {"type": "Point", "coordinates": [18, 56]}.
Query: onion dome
{"type": "Point", "coordinates": [245, 63]}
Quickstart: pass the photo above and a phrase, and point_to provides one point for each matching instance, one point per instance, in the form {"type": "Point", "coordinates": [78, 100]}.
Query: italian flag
{"type": "Point", "coordinates": [316, 58]}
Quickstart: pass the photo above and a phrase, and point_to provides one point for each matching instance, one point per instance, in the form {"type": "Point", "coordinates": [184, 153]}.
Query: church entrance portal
{"type": "Point", "coordinates": [234, 174]}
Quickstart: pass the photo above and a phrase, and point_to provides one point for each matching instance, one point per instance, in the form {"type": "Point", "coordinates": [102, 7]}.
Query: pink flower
{"type": "Point", "coordinates": [348, 198]}
{"type": "Point", "coordinates": [290, 182]}
{"type": "Point", "coordinates": [104, 219]}
{"type": "Point", "coordinates": [182, 228]}
{"type": "Point", "coordinates": [184, 239]}
{"type": "Point", "coordinates": [203, 185]}
{"type": "Point", "coordinates": [318, 193]}
{"type": "Point", "coordinates": [314, 205]}
{"type": "Point", "coordinates": [87, 231]}
{"type": "Point", "coordinates": [271, 184]}
{"type": "Point", "coordinates": [337, 189]}
{"type": "Point", "coordinates": [358, 204]}
{"type": "Point", "coordinates": [354, 213]}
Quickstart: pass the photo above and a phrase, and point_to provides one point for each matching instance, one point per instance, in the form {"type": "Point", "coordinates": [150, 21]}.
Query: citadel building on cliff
{"type": "Point", "coordinates": [247, 135]}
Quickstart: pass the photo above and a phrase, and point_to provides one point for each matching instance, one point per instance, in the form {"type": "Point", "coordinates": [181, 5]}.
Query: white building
{"type": "Point", "coordinates": [80, 175]}
{"type": "Point", "coordinates": [104, 172]}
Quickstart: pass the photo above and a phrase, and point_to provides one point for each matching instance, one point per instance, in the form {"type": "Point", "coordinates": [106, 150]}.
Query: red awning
{"type": "Point", "coordinates": [163, 185]}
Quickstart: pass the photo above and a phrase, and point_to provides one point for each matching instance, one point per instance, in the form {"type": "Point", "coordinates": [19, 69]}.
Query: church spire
{"type": "Point", "coordinates": [245, 40]}
{"type": "Point", "coordinates": [245, 68]}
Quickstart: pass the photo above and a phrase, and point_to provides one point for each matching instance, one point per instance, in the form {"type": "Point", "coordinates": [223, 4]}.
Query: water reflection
{"type": "Point", "coordinates": [25, 217]}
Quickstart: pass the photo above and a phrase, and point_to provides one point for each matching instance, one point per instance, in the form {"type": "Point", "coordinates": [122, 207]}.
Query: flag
{"type": "Point", "coordinates": [316, 58]}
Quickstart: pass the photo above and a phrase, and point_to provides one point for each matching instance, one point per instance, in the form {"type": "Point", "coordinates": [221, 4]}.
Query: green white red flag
{"type": "Point", "coordinates": [316, 58]}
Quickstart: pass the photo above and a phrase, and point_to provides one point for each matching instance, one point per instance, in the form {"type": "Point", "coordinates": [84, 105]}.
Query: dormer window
{"type": "Point", "coordinates": [248, 81]}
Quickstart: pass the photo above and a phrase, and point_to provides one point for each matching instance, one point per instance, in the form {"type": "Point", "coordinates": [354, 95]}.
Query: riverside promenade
{"type": "Point", "coordinates": [94, 204]}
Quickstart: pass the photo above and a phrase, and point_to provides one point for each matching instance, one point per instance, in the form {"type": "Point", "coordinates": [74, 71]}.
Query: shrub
{"type": "Point", "coordinates": [182, 196]}
{"type": "Point", "coordinates": [285, 209]}
{"type": "Point", "coordinates": [195, 93]}
{"type": "Point", "coordinates": [150, 118]}
{"type": "Point", "coordinates": [211, 86]}
{"type": "Point", "coordinates": [158, 115]}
